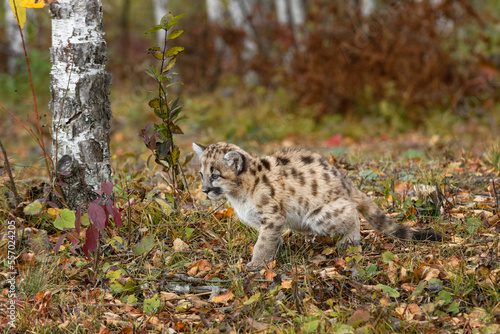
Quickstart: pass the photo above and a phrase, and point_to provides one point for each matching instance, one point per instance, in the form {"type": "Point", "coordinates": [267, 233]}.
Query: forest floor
{"type": "Point", "coordinates": [183, 270]}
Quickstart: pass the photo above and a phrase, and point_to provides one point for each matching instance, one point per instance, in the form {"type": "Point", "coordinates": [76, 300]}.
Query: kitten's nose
{"type": "Point", "coordinates": [205, 190]}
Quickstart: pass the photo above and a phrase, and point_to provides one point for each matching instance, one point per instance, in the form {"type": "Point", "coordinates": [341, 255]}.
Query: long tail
{"type": "Point", "coordinates": [382, 223]}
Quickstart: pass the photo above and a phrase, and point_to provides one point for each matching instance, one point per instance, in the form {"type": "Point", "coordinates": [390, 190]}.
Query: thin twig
{"type": "Point", "coordinates": [7, 166]}
{"type": "Point", "coordinates": [129, 214]}
{"type": "Point", "coordinates": [45, 155]}
{"type": "Point", "coordinates": [207, 214]}
{"type": "Point", "coordinates": [496, 195]}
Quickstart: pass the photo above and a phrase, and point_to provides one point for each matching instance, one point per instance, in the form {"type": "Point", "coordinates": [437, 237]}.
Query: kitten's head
{"type": "Point", "coordinates": [221, 167]}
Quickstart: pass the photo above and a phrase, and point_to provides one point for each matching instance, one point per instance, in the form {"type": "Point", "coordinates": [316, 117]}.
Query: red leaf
{"type": "Point", "coordinates": [78, 218]}
{"type": "Point", "coordinates": [108, 208]}
{"type": "Point", "coordinates": [334, 141]}
{"type": "Point", "coordinates": [98, 216]}
{"type": "Point", "coordinates": [107, 187]}
{"type": "Point", "coordinates": [117, 216]}
{"type": "Point", "coordinates": [91, 238]}
{"type": "Point", "coordinates": [74, 237]}
{"type": "Point", "coordinates": [59, 242]}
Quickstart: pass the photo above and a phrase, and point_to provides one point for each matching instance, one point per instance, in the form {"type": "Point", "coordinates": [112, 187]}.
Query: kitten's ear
{"type": "Point", "coordinates": [236, 161]}
{"type": "Point", "coordinates": [198, 149]}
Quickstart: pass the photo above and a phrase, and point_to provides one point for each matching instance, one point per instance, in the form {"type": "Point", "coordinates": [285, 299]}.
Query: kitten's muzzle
{"type": "Point", "coordinates": [212, 191]}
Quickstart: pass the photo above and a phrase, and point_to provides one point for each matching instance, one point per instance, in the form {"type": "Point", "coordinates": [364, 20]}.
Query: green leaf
{"type": "Point", "coordinates": [85, 220]}
{"type": "Point", "coordinates": [444, 296]}
{"type": "Point", "coordinates": [153, 72]}
{"type": "Point", "coordinates": [130, 299]}
{"type": "Point", "coordinates": [155, 103]}
{"type": "Point", "coordinates": [178, 120]}
{"type": "Point", "coordinates": [66, 219]}
{"type": "Point", "coordinates": [151, 304]}
{"type": "Point", "coordinates": [371, 269]}
{"type": "Point", "coordinates": [189, 232]}
{"type": "Point", "coordinates": [33, 208]}
{"type": "Point", "coordinates": [130, 285]}
{"type": "Point", "coordinates": [418, 290]}
{"type": "Point", "coordinates": [145, 245]}
{"type": "Point", "coordinates": [311, 326]}
{"type": "Point", "coordinates": [170, 64]}
{"type": "Point", "coordinates": [113, 274]}
{"type": "Point", "coordinates": [174, 21]}
{"type": "Point", "coordinates": [175, 103]}
{"type": "Point", "coordinates": [252, 299]}
{"type": "Point", "coordinates": [453, 308]}
{"type": "Point", "coordinates": [343, 329]}
{"type": "Point", "coordinates": [170, 198]}
{"type": "Point", "coordinates": [390, 291]}
{"type": "Point", "coordinates": [387, 257]}
{"type": "Point", "coordinates": [156, 52]}
{"type": "Point", "coordinates": [187, 159]}
{"type": "Point", "coordinates": [117, 243]}
{"type": "Point", "coordinates": [164, 207]}
{"type": "Point", "coordinates": [175, 154]}
{"type": "Point", "coordinates": [154, 29]}
{"type": "Point", "coordinates": [175, 112]}
{"type": "Point", "coordinates": [173, 51]}
{"type": "Point", "coordinates": [175, 129]}
{"type": "Point", "coordinates": [174, 34]}
{"type": "Point", "coordinates": [166, 19]}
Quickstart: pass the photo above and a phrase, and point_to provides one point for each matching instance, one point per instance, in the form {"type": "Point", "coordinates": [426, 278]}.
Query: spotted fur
{"type": "Point", "coordinates": [295, 188]}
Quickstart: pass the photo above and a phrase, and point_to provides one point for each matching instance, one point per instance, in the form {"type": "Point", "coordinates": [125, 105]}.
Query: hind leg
{"type": "Point", "coordinates": [337, 219]}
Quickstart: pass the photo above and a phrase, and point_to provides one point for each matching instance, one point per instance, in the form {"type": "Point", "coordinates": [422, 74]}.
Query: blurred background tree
{"type": "Point", "coordinates": [268, 70]}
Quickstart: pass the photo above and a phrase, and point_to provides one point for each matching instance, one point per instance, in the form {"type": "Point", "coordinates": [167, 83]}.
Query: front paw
{"type": "Point", "coordinates": [252, 266]}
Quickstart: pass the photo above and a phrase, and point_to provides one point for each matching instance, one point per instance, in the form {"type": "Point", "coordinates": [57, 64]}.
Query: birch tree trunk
{"type": "Point", "coordinates": [80, 103]}
{"type": "Point", "coordinates": [281, 11]}
{"type": "Point", "coordinates": [367, 7]}
{"type": "Point", "coordinates": [239, 10]}
{"type": "Point", "coordinates": [215, 12]}
{"type": "Point", "coordinates": [15, 50]}
{"type": "Point", "coordinates": [160, 10]}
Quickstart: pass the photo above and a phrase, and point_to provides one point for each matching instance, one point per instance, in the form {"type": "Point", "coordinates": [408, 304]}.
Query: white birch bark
{"type": "Point", "coordinates": [15, 48]}
{"type": "Point", "coordinates": [80, 103]}
{"type": "Point", "coordinates": [367, 7]}
{"type": "Point", "coordinates": [281, 11]}
{"type": "Point", "coordinates": [160, 10]}
{"type": "Point", "coordinates": [215, 14]}
{"type": "Point", "coordinates": [297, 13]}
{"type": "Point", "coordinates": [215, 10]}
{"type": "Point", "coordinates": [238, 10]}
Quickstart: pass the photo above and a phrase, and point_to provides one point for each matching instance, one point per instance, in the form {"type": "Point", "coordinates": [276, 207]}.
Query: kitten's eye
{"type": "Point", "coordinates": [214, 177]}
